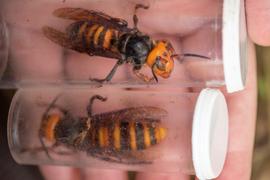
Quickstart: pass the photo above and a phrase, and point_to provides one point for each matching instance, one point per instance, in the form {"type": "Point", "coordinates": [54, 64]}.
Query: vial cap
{"type": "Point", "coordinates": [209, 134]}
{"type": "Point", "coordinates": [234, 44]}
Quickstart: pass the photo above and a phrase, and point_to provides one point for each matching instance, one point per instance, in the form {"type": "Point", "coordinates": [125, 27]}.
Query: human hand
{"type": "Point", "coordinates": [242, 105]}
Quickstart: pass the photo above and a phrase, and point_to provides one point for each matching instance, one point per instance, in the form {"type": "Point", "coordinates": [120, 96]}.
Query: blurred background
{"type": "Point", "coordinates": [261, 157]}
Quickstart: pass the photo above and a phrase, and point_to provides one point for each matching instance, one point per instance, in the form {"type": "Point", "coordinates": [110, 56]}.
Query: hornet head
{"type": "Point", "coordinates": [161, 59]}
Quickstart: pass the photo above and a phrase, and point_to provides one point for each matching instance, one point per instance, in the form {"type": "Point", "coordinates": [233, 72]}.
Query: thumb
{"type": "Point", "coordinates": [258, 15]}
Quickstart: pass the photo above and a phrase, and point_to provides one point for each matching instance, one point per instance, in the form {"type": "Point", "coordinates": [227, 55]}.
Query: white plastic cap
{"type": "Point", "coordinates": [209, 134]}
{"type": "Point", "coordinates": [234, 44]}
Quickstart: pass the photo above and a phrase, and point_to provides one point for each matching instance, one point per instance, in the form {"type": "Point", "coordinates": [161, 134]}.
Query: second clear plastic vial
{"type": "Point", "coordinates": [136, 129]}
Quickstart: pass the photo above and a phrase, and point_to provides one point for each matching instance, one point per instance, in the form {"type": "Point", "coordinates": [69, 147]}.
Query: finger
{"type": "Point", "coordinates": [158, 176]}
{"type": "Point", "coordinates": [242, 112]}
{"type": "Point", "coordinates": [56, 172]}
{"type": "Point", "coordinates": [95, 174]}
{"type": "Point", "coordinates": [178, 17]}
{"type": "Point", "coordinates": [32, 56]}
{"type": "Point", "coordinates": [32, 62]}
{"type": "Point", "coordinates": [258, 16]}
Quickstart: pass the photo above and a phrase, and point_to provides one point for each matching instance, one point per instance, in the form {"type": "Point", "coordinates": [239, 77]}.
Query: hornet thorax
{"type": "Point", "coordinates": [135, 47]}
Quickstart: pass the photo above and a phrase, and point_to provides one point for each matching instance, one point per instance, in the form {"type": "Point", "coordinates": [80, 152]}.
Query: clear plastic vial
{"type": "Point", "coordinates": [213, 29]}
{"type": "Point", "coordinates": [127, 129]}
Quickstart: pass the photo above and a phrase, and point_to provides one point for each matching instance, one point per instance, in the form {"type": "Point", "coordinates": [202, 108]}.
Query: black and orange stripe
{"type": "Point", "coordinates": [96, 35]}
{"type": "Point", "coordinates": [139, 136]}
{"type": "Point", "coordinates": [126, 135]}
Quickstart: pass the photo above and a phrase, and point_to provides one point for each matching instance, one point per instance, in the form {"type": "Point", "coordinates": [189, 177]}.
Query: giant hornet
{"type": "Point", "coordinates": [117, 136]}
{"type": "Point", "coordinates": [99, 34]}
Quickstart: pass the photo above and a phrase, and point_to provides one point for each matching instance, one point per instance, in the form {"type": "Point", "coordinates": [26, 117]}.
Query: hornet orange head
{"type": "Point", "coordinates": [161, 59]}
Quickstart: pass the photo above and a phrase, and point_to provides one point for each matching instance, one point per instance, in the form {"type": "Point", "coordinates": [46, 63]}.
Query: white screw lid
{"type": "Point", "coordinates": [209, 134]}
{"type": "Point", "coordinates": [234, 44]}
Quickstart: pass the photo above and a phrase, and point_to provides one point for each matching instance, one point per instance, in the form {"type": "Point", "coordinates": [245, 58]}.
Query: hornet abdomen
{"type": "Point", "coordinates": [125, 134]}
{"type": "Point", "coordinates": [94, 36]}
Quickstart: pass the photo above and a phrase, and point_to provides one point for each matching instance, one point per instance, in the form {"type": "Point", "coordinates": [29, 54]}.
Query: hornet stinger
{"type": "Point", "coordinates": [98, 34]}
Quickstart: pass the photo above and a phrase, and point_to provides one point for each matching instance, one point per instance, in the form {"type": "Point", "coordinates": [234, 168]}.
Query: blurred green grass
{"type": "Point", "coordinates": [261, 156]}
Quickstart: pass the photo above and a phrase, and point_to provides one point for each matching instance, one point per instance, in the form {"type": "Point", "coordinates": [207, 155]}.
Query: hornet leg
{"type": "Point", "coordinates": [135, 18]}
{"type": "Point", "coordinates": [51, 106]}
{"type": "Point", "coordinates": [41, 149]}
{"type": "Point", "coordinates": [110, 75]}
{"type": "Point", "coordinates": [153, 72]}
{"type": "Point", "coordinates": [90, 105]}
{"type": "Point", "coordinates": [143, 77]}
{"type": "Point", "coordinates": [44, 147]}
{"type": "Point", "coordinates": [118, 157]}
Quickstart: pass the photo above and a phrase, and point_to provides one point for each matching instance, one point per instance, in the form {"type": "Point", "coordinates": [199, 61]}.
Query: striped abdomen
{"type": "Point", "coordinates": [126, 135]}
{"type": "Point", "coordinates": [94, 36]}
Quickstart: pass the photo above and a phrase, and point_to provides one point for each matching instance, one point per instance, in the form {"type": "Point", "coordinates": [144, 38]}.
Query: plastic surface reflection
{"type": "Point", "coordinates": [107, 127]}
{"type": "Point", "coordinates": [87, 41]}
